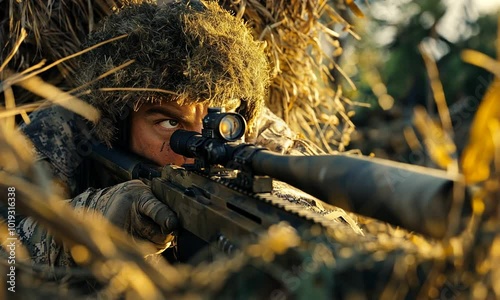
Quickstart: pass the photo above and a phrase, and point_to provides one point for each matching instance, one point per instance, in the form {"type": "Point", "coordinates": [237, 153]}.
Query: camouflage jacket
{"type": "Point", "coordinates": [62, 141]}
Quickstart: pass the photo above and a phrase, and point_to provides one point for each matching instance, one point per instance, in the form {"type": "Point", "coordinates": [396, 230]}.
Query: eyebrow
{"type": "Point", "coordinates": [168, 112]}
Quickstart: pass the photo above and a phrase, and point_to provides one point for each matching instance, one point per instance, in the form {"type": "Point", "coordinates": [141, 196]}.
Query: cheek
{"type": "Point", "coordinates": [146, 142]}
{"type": "Point", "coordinates": [168, 156]}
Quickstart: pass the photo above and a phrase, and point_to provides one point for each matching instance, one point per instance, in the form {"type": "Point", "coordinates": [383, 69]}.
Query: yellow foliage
{"type": "Point", "coordinates": [479, 153]}
{"type": "Point", "coordinates": [354, 8]}
{"type": "Point", "coordinates": [439, 144]}
{"type": "Point", "coordinates": [278, 239]}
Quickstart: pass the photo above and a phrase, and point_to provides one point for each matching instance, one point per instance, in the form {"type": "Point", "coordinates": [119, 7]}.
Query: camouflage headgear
{"type": "Point", "coordinates": [192, 48]}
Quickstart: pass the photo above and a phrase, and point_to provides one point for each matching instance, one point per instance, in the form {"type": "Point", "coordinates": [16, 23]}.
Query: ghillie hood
{"type": "Point", "coordinates": [186, 51]}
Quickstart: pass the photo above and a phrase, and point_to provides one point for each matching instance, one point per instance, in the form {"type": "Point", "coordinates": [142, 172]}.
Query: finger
{"type": "Point", "coordinates": [160, 213]}
{"type": "Point", "coordinates": [149, 231]}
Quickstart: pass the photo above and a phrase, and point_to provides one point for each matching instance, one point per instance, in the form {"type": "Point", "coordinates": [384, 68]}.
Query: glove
{"type": "Point", "coordinates": [132, 207]}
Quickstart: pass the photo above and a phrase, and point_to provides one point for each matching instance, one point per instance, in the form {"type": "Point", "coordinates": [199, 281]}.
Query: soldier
{"type": "Point", "coordinates": [178, 59]}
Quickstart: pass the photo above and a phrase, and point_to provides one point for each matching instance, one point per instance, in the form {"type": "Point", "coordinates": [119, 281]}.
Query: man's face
{"type": "Point", "coordinates": [153, 124]}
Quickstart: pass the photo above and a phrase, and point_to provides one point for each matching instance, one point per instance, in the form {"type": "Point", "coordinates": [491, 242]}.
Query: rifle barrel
{"type": "Point", "coordinates": [416, 198]}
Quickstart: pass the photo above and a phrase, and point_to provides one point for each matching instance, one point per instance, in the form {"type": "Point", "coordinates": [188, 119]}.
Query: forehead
{"type": "Point", "coordinates": [185, 108]}
{"type": "Point", "coordinates": [168, 105]}
{"type": "Point", "coordinates": [188, 112]}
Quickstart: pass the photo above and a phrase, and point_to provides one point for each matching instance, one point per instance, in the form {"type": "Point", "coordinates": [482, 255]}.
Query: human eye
{"type": "Point", "coordinates": [169, 124]}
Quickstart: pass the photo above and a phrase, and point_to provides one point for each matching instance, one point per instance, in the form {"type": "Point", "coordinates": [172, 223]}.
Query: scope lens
{"type": "Point", "coordinates": [231, 127]}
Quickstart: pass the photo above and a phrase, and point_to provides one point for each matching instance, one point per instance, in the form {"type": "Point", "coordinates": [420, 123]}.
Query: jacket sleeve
{"type": "Point", "coordinates": [61, 140]}
{"type": "Point", "coordinates": [42, 247]}
{"type": "Point", "coordinates": [57, 136]}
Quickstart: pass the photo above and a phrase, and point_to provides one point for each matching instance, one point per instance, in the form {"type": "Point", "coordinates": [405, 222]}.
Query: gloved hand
{"type": "Point", "coordinates": [132, 207]}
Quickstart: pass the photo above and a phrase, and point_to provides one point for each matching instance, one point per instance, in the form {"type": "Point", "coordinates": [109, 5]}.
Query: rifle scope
{"type": "Point", "coordinates": [218, 124]}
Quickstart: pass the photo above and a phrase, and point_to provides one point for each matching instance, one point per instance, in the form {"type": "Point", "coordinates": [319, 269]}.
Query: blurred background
{"type": "Point", "coordinates": [389, 73]}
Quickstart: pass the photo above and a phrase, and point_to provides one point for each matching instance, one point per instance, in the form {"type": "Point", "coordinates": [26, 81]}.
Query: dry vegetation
{"type": "Point", "coordinates": [302, 49]}
{"type": "Point", "coordinates": [464, 266]}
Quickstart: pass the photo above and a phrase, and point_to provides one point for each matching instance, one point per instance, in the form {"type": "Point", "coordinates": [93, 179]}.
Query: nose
{"type": "Point", "coordinates": [197, 127]}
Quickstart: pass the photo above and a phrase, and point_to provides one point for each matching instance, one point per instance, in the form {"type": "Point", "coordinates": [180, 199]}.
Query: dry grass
{"type": "Point", "coordinates": [470, 259]}
{"type": "Point", "coordinates": [108, 254]}
{"type": "Point", "coordinates": [302, 48]}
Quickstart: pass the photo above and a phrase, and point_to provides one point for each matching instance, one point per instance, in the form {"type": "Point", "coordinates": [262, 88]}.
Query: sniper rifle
{"type": "Point", "coordinates": [226, 195]}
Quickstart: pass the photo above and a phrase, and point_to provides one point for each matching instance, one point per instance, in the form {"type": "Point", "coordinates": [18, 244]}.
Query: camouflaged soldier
{"type": "Point", "coordinates": [181, 58]}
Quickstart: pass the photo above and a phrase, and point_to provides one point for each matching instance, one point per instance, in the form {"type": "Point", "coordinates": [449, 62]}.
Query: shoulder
{"type": "Point", "coordinates": [58, 138]}
{"type": "Point", "coordinates": [273, 133]}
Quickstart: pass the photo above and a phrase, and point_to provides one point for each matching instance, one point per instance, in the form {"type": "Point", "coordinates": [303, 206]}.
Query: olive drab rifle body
{"type": "Point", "coordinates": [225, 195]}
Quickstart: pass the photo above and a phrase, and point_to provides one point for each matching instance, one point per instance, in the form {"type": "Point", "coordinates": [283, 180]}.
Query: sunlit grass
{"type": "Point", "coordinates": [113, 258]}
